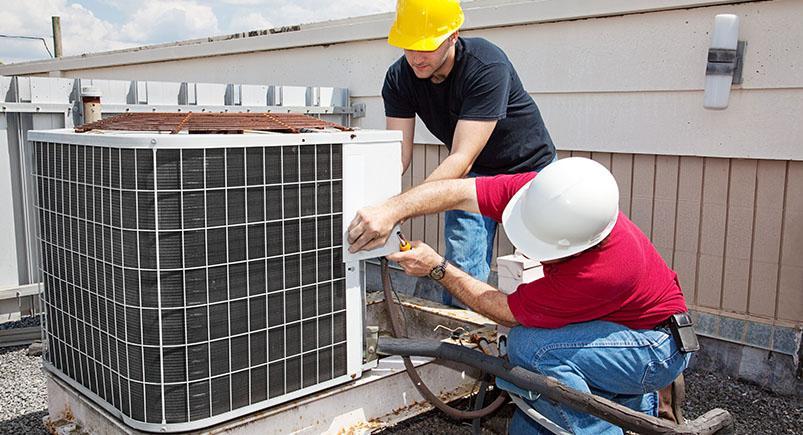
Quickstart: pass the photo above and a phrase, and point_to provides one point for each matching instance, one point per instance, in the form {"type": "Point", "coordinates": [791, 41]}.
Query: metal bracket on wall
{"type": "Point", "coordinates": [358, 110]}
{"type": "Point", "coordinates": [725, 62]}
{"type": "Point", "coordinates": [737, 72]}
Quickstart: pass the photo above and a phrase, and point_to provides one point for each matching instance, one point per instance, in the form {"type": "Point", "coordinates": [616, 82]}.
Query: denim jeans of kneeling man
{"type": "Point", "coordinates": [603, 358]}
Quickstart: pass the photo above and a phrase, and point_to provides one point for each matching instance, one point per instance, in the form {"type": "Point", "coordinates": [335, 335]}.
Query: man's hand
{"type": "Point", "coordinates": [418, 261]}
{"type": "Point", "coordinates": [370, 228]}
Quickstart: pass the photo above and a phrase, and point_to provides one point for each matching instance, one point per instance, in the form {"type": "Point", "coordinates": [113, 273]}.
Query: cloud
{"type": "Point", "coordinates": [236, 15]}
{"type": "Point", "coordinates": [130, 24]}
{"type": "Point", "coordinates": [252, 21]}
{"type": "Point", "coordinates": [243, 2]}
{"type": "Point", "coordinates": [163, 21]}
{"type": "Point", "coordinates": [81, 31]}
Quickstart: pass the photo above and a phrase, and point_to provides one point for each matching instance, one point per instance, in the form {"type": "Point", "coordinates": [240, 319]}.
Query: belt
{"type": "Point", "coordinates": [665, 324]}
{"type": "Point", "coordinates": [680, 327]}
{"type": "Point", "coordinates": [668, 322]}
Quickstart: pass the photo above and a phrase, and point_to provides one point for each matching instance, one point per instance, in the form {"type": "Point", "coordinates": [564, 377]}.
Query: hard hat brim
{"type": "Point", "coordinates": [513, 222]}
{"type": "Point", "coordinates": [406, 42]}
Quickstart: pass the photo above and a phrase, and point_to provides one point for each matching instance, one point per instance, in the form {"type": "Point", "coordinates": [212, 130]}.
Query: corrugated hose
{"type": "Point", "coordinates": [400, 331]}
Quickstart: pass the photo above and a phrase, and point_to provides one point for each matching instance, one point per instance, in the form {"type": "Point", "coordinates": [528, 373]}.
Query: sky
{"type": "Point", "coordinates": [89, 26]}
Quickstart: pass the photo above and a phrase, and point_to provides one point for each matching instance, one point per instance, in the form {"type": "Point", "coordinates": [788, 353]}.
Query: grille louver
{"type": "Point", "coordinates": [183, 284]}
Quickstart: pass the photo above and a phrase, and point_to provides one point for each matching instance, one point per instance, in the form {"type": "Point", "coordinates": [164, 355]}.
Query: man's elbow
{"type": "Point", "coordinates": [462, 165]}
{"type": "Point", "coordinates": [508, 323]}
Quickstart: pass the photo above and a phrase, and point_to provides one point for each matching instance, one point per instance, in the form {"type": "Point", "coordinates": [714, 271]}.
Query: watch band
{"type": "Point", "coordinates": [437, 273]}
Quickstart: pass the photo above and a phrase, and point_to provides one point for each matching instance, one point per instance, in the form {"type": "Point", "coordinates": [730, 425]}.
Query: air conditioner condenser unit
{"type": "Point", "coordinates": [194, 278]}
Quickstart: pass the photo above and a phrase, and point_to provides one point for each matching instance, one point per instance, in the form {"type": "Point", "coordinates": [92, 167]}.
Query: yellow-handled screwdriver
{"type": "Point", "coordinates": [404, 245]}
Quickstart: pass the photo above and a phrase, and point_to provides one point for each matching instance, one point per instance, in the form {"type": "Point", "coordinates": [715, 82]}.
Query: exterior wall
{"type": "Point", "coordinates": [731, 228]}
{"type": "Point", "coordinates": [628, 83]}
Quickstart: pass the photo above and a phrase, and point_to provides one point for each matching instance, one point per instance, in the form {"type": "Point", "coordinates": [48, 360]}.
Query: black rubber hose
{"type": "Point", "coordinates": [400, 330]}
{"type": "Point", "coordinates": [476, 424]}
{"type": "Point", "coordinates": [716, 421]}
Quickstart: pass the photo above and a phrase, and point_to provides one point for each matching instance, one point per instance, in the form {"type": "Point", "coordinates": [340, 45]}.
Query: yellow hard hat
{"type": "Point", "coordinates": [423, 25]}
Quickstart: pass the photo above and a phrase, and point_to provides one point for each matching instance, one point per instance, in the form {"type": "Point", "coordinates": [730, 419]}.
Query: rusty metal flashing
{"type": "Point", "coordinates": [211, 123]}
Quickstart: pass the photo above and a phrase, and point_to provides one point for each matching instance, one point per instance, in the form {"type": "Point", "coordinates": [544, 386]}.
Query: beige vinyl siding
{"type": "Point", "coordinates": [731, 228]}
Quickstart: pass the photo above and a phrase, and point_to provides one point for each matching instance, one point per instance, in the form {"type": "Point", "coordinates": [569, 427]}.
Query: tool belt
{"type": "Point", "coordinates": [682, 328]}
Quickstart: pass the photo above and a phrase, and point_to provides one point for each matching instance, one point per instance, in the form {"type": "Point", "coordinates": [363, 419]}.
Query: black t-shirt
{"type": "Point", "coordinates": [481, 86]}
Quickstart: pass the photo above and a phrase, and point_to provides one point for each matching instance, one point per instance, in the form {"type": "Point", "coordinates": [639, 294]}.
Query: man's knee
{"type": "Point", "coordinates": [524, 343]}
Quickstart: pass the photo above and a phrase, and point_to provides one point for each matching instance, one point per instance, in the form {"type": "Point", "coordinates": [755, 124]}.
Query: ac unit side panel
{"type": "Point", "coordinates": [355, 329]}
{"type": "Point", "coordinates": [371, 174]}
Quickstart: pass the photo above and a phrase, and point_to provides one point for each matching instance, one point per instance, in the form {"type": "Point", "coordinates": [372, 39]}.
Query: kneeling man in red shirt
{"type": "Point", "coordinates": [598, 321]}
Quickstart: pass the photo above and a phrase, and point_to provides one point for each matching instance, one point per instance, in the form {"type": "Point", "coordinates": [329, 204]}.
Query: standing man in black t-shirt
{"type": "Point", "coordinates": [467, 93]}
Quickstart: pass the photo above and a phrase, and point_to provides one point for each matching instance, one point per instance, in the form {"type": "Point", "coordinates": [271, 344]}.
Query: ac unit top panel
{"type": "Point", "coordinates": [155, 140]}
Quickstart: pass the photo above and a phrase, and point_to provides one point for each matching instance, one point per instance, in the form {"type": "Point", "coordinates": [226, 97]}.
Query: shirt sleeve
{"type": "Point", "coordinates": [493, 193]}
{"type": "Point", "coordinates": [486, 93]}
{"type": "Point", "coordinates": [398, 103]}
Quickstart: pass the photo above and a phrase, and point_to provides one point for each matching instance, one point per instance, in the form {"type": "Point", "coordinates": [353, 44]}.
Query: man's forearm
{"type": "Point", "coordinates": [479, 296]}
{"type": "Point", "coordinates": [454, 166]}
{"type": "Point", "coordinates": [435, 197]}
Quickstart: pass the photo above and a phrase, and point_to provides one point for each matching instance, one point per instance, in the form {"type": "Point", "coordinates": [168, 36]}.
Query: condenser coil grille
{"type": "Point", "coordinates": [184, 283]}
{"type": "Point", "coordinates": [210, 122]}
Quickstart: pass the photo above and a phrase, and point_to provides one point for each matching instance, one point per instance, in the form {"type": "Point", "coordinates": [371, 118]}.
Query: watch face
{"type": "Point", "coordinates": [437, 273]}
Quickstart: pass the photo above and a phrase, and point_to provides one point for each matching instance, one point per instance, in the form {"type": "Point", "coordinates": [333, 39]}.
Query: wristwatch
{"type": "Point", "coordinates": [438, 271]}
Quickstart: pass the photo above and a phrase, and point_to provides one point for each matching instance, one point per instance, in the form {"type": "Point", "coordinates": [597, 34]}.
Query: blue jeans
{"type": "Point", "coordinates": [603, 358]}
{"type": "Point", "coordinates": [469, 241]}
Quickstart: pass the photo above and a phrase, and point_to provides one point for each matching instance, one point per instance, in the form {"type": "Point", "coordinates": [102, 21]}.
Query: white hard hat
{"type": "Point", "coordinates": [570, 206]}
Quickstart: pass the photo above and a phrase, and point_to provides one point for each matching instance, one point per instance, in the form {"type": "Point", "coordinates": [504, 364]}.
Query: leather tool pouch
{"type": "Point", "coordinates": [682, 329]}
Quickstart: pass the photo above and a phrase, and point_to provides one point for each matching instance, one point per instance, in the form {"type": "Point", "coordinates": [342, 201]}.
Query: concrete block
{"type": "Point", "coordinates": [770, 370]}
{"type": "Point", "coordinates": [773, 371]}
{"type": "Point", "coordinates": [784, 340]}
{"type": "Point", "coordinates": [707, 324]}
{"type": "Point", "coordinates": [753, 366]}
{"type": "Point", "coordinates": [717, 355]}
{"type": "Point", "coordinates": [732, 329]}
{"type": "Point", "coordinates": [759, 334]}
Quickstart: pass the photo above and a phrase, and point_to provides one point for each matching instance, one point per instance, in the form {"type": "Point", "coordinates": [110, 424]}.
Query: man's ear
{"type": "Point", "coordinates": [453, 37]}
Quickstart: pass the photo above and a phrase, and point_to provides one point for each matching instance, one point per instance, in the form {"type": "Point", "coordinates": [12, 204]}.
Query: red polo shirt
{"type": "Point", "coordinates": [625, 280]}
